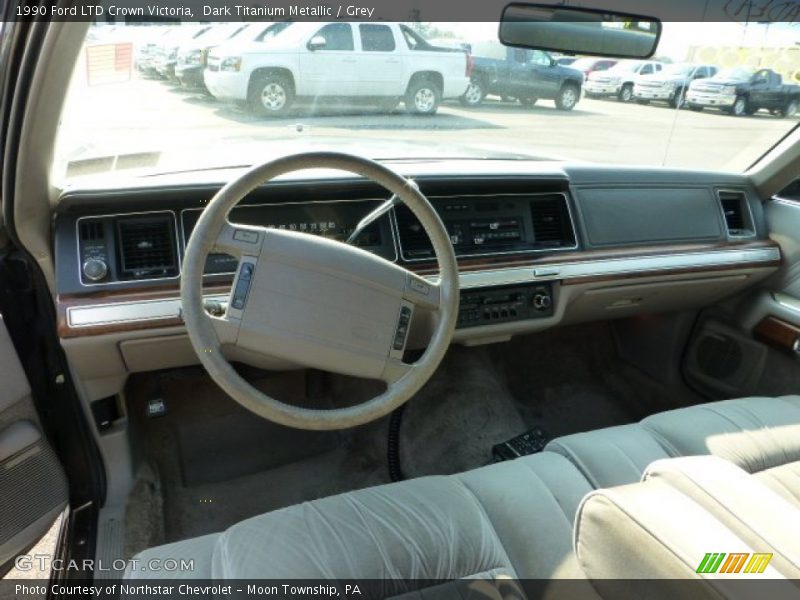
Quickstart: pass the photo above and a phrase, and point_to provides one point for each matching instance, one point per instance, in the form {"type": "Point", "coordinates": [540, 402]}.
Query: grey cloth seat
{"type": "Point", "coordinates": [760, 435]}
{"type": "Point", "coordinates": [510, 520]}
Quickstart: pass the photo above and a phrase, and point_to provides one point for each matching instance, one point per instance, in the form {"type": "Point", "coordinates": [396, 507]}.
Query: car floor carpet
{"type": "Point", "coordinates": [219, 464]}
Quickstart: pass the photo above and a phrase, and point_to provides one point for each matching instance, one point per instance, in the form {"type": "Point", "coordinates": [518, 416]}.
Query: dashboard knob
{"type": "Point", "coordinates": [95, 269]}
{"type": "Point", "coordinates": [542, 301]}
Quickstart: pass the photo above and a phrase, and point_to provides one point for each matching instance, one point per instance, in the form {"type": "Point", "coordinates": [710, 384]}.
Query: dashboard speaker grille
{"type": "Point", "coordinates": [147, 247]}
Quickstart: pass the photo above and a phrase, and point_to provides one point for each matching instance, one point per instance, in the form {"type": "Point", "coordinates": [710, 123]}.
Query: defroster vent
{"type": "Point", "coordinates": [147, 247]}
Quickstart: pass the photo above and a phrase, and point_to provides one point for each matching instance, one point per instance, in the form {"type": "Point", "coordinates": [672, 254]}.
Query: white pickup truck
{"type": "Point", "coordinates": [380, 62]}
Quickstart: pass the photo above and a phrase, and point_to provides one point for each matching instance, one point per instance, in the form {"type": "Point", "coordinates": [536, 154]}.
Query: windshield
{"type": "Point", "coordinates": [679, 70]}
{"type": "Point", "coordinates": [583, 63]}
{"type": "Point", "coordinates": [406, 91]}
{"type": "Point", "coordinates": [735, 74]}
{"type": "Point", "coordinates": [626, 66]}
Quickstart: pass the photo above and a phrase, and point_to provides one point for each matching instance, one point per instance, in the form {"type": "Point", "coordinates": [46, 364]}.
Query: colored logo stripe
{"type": "Point", "coordinates": [758, 563]}
{"type": "Point", "coordinates": [713, 562]}
{"type": "Point", "coordinates": [734, 562]}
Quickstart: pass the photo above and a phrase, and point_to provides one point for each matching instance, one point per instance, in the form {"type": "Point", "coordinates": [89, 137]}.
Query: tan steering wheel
{"type": "Point", "coordinates": [317, 302]}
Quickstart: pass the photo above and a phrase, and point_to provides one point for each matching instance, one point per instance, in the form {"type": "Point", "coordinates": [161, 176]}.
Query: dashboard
{"type": "Point", "coordinates": [538, 245]}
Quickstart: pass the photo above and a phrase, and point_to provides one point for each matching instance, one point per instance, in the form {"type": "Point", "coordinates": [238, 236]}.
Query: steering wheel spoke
{"type": "Point", "coordinates": [421, 292]}
{"type": "Point", "coordinates": [239, 240]}
{"type": "Point", "coordinates": [395, 370]}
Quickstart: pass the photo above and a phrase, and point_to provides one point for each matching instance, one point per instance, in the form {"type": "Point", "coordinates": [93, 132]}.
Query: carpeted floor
{"type": "Point", "coordinates": [211, 463]}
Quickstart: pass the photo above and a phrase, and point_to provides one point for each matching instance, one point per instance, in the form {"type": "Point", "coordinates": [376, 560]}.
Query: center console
{"type": "Point", "coordinates": [503, 304]}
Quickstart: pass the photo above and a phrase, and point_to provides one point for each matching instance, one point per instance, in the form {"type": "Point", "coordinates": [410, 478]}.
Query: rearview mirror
{"type": "Point", "coordinates": [317, 42]}
{"type": "Point", "coordinates": [579, 31]}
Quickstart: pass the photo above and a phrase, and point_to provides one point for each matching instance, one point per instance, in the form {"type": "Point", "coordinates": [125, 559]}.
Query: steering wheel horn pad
{"type": "Point", "coordinates": [317, 302]}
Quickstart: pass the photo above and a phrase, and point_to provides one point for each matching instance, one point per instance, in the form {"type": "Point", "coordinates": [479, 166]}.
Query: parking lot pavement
{"type": "Point", "coordinates": [144, 115]}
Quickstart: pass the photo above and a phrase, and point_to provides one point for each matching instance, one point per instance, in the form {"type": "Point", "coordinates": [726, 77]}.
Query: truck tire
{"type": "Point", "coordinates": [568, 97]}
{"type": "Point", "coordinates": [740, 107]}
{"type": "Point", "coordinates": [626, 93]}
{"type": "Point", "coordinates": [423, 97]}
{"type": "Point", "coordinates": [270, 95]}
{"type": "Point", "coordinates": [474, 95]}
{"type": "Point", "coordinates": [528, 100]}
{"type": "Point", "coordinates": [790, 109]}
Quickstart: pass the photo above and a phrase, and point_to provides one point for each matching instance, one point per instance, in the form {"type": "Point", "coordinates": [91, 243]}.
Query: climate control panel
{"type": "Point", "coordinates": [502, 304]}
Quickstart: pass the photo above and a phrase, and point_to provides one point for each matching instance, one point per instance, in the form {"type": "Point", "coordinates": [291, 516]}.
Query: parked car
{"type": "Point", "coordinates": [523, 74]}
{"type": "Point", "coordinates": [670, 84]}
{"type": "Point", "coordinates": [618, 81]}
{"type": "Point", "coordinates": [589, 64]}
{"type": "Point", "coordinates": [743, 91]}
{"type": "Point", "coordinates": [192, 56]}
{"type": "Point", "coordinates": [566, 61]}
{"type": "Point", "coordinates": [381, 62]}
{"type": "Point", "coordinates": [144, 54]}
{"type": "Point", "coordinates": [166, 54]}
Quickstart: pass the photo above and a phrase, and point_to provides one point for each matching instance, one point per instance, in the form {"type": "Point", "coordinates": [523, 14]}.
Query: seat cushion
{"type": "Point", "coordinates": [755, 434]}
{"type": "Point", "coordinates": [741, 502]}
{"type": "Point", "coordinates": [512, 520]}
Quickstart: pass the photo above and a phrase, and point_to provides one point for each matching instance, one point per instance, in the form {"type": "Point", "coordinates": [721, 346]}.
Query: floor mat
{"type": "Point", "coordinates": [218, 464]}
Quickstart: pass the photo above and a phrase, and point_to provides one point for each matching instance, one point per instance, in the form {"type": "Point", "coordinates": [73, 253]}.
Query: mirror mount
{"type": "Point", "coordinates": [579, 30]}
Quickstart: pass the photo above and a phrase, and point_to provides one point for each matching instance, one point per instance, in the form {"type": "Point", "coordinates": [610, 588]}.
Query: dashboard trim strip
{"type": "Point", "coordinates": [138, 311]}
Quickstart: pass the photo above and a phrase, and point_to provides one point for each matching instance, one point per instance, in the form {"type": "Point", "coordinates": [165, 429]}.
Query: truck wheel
{"type": "Point", "coordinates": [528, 100]}
{"type": "Point", "coordinates": [626, 93]}
{"type": "Point", "coordinates": [423, 97]}
{"type": "Point", "coordinates": [739, 108]}
{"type": "Point", "coordinates": [474, 95]}
{"type": "Point", "coordinates": [271, 95]}
{"type": "Point", "coordinates": [567, 97]}
{"type": "Point", "coordinates": [790, 110]}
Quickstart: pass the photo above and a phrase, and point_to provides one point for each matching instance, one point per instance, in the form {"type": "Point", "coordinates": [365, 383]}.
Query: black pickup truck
{"type": "Point", "coordinates": [742, 91]}
{"type": "Point", "coordinates": [526, 75]}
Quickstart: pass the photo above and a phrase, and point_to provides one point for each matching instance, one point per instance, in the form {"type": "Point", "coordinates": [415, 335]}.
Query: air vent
{"type": "Point", "coordinates": [147, 247]}
{"type": "Point", "coordinates": [551, 223]}
{"type": "Point", "coordinates": [91, 231]}
{"type": "Point", "coordinates": [736, 213]}
{"type": "Point", "coordinates": [413, 238]}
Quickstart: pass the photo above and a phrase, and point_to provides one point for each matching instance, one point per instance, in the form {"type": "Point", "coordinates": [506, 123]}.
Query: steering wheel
{"type": "Point", "coordinates": [318, 302]}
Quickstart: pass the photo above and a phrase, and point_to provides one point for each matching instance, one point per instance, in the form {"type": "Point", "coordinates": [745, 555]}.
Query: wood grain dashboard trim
{"type": "Point", "coordinates": [97, 310]}
{"type": "Point", "coordinates": [778, 333]}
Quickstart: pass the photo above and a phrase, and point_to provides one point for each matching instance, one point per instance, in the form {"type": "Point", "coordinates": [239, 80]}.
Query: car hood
{"type": "Point", "coordinates": [273, 46]}
{"type": "Point", "coordinates": [659, 78]}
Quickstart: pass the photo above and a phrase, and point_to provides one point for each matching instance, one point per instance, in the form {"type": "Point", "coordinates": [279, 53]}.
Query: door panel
{"type": "Point", "coordinates": [33, 488]}
{"type": "Point", "coordinates": [750, 346]}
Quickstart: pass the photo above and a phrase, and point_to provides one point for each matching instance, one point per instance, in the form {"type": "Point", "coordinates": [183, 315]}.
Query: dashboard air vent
{"type": "Point", "coordinates": [734, 209]}
{"type": "Point", "coordinates": [147, 247]}
{"type": "Point", "coordinates": [551, 223]}
{"type": "Point", "coordinates": [91, 231]}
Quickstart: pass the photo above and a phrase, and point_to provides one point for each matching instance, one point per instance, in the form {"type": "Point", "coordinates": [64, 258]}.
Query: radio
{"type": "Point", "coordinates": [503, 304]}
